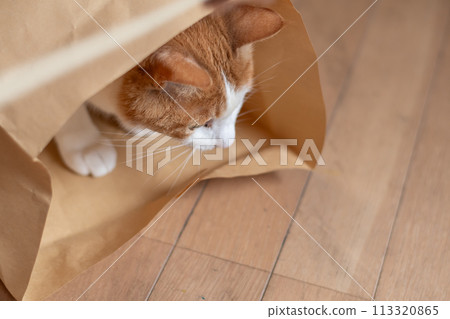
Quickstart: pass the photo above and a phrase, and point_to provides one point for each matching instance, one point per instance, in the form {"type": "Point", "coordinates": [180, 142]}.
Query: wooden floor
{"type": "Point", "coordinates": [375, 219]}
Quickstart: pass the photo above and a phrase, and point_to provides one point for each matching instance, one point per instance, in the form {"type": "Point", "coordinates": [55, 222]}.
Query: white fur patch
{"type": "Point", "coordinates": [223, 129]}
{"type": "Point", "coordinates": [82, 147]}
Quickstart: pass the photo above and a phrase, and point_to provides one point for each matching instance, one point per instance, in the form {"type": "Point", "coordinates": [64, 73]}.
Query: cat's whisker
{"type": "Point", "coordinates": [257, 88]}
{"type": "Point", "coordinates": [247, 112]}
{"type": "Point", "coordinates": [253, 91]}
{"type": "Point", "coordinates": [174, 171]}
{"type": "Point", "coordinates": [125, 146]}
{"type": "Point", "coordinates": [114, 139]}
{"type": "Point", "coordinates": [173, 159]}
{"type": "Point", "coordinates": [156, 151]}
{"type": "Point", "coordinates": [160, 150]}
{"type": "Point", "coordinates": [268, 69]}
{"type": "Point", "coordinates": [251, 103]}
{"type": "Point", "coordinates": [171, 147]}
{"type": "Point", "coordinates": [143, 155]}
{"type": "Point", "coordinates": [113, 144]}
{"type": "Point", "coordinates": [124, 133]}
{"type": "Point", "coordinates": [264, 81]}
{"type": "Point", "coordinates": [243, 120]}
{"type": "Point", "coordinates": [128, 133]}
{"type": "Point", "coordinates": [247, 98]}
{"type": "Point", "coordinates": [108, 142]}
{"type": "Point", "coordinates": [141, 139]}
{"type": "Point", "coordinates": [115, 131]}
{"type": "Point", "coordinates": [181, 171]}
{"type": "Point", "coordinates": [117, 145]}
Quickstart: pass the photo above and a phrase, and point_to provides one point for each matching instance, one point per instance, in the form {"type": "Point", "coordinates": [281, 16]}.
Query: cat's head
{"type": "Point", "coordinates": [202, 75]}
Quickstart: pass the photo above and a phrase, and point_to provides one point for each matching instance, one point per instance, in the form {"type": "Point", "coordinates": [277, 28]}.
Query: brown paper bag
{"type": "Point", "coordinates": [55, 224]}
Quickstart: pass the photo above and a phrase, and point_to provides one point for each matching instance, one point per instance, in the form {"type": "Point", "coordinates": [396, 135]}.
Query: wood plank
{"type": "Point", "coordinates": [193, 276]}
{"type": "Point", "coordinates": [129, 279]}
{"type": "Point", "coordinates": [325, 21]}
{"type": "Point", "coordinates": [226, 223]}
{"type": "Point", "coordinates": [236, 221]}
{"type": "Point", "coordinates": [137, 270]}
{"type": "Point", "coordinates": [350, 203]}
{"type": "Point", "coordinates": [416, 265]}
{"type": "Point", "coordinates": [227, 193]}
{"type": "Point", "coordinates": [169, 226]}
{"type": "Point", "coordinates": [283, 288]}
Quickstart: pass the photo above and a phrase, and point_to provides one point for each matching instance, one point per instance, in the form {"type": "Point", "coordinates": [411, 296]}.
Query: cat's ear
{"type": "Point", "coordinates": [248, 24]}
{"type": "Point", "coordinates": [173, 66]}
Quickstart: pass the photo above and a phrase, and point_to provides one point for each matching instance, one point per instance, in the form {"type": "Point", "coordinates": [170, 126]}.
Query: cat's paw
{"type": "Point", "coordinates": [96, 159]}
{"type": "Point", "coordinates": [82, 147]}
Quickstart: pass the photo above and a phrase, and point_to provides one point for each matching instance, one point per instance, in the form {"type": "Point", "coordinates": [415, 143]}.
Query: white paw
{"type": "Point", "coordinates": [83, 148]}
{"type": "Point", "coordinates": [95, 159]}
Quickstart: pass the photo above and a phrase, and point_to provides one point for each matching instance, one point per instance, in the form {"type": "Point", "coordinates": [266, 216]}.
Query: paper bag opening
{"type": "Point", "coordinates": [56, 224]}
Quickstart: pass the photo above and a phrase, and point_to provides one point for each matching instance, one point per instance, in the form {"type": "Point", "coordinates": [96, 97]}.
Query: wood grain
{"type": "Point", "coordinates": [350, 204]}
{"type": "Point", "coordinates": [132, 277]}
{"type": "Point", "coordinates": [169, 226]}
{"type": "Point", "coordinates": [194, 276]}
{"type": "Point", "coordinates": [282, 288]}
{"type": "Point", "coordinates": [417, 261]}
{"type": "Point", "coordinates": [236, 221]}
{"type": "Point", "coordinates": [129, 279]}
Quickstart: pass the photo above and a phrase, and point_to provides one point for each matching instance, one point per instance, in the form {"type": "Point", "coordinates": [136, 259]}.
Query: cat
{"type": "Point", "coordinates": [191, 87]}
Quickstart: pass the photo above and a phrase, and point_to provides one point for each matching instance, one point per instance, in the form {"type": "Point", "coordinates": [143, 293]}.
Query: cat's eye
{"type": "Point", "coordinates": [193, 127]}
{"type": "Point", "coordinates": [207, 124]}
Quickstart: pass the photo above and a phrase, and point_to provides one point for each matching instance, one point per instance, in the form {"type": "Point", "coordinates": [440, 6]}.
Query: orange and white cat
{"type": "Point", "coordinates": [202, 76]}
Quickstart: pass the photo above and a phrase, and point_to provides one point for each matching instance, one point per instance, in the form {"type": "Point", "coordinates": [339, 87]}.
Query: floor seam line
{"type": "Point", "coordinates": [338, 102]}
{"type": "Point", "coordinates": [169, 255]}
{"type": "Point", "coordinates": [434, 72]}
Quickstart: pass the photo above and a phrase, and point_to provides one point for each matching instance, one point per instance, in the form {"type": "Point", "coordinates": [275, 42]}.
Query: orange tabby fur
{"type": "Point", "coordinates": [191, 67]}
{"type": "Point", "coordinates": [207, 70]}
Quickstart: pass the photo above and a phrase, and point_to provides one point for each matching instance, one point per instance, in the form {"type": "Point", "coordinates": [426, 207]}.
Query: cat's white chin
{"type": "Point", "coordinates": [204, 148]}
{"type": "Point", "coordinates": [209, 138]}
{"type": "Point", "coordinates": [207, 145]}
{"type": "Point", "coordinates": [222, 131]}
